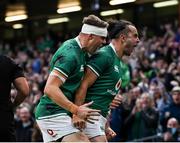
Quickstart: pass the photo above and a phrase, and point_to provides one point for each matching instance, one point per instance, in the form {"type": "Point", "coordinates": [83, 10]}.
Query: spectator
{"type": "Point", "coordinates": [143, 117]}
{"type": "Point", "coordinates": [24, 126]}
{"type": "Point", "coordinates": [119, 114]}
{"type": "Point", "coordinates": [173, 131]}
{"type": "Point", "coordinates": [172, 110]}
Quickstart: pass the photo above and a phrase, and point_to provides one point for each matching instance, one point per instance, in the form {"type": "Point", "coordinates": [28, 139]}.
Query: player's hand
{"type": "Point", "coordinates": [116, 101]}
{"type": "Point", "coordinates": [89, 115]}
{"type": "Point", "coordinates": [109, 133]}
{"type": "Point", "coordinates": [78, 123]}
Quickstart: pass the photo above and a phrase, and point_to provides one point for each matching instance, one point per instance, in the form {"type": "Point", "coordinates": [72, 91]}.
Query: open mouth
{"type": "Point", "coordinates": [135, 45]}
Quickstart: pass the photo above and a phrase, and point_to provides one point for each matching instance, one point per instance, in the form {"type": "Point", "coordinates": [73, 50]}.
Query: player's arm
{"type": "Point", "coordinates": [52, 90]}
{"type": "Point", "coordinates": [116, 101]}
{"type": "Point", "coordinates": [109, 132]}
{"type": "Point", "coordinates": [94, 68]}
{"type": "Point", "coordinates": [22, 88]}
{"type": "Point", "coordinates": [88, 80]}
{"type": "Point", "coordinates": [19, 82]}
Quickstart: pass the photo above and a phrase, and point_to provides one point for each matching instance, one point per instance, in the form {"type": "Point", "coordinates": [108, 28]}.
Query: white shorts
{"type": "Point", "coordinates": [96, 129]}
{"type": "Point", "coordinates": [54, 128]}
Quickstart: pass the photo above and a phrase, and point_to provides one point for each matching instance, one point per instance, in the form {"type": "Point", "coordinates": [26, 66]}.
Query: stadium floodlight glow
{"type": "Point", "coordinates": [116, 2]}
{"type": "Point", "coordinates": [69, 9]}
{"type": "Point", "coordinates": [111, 12]}
{"type": "Point", "coordinates": [16, 12]}
{"type": "Point", "coordinates": [17, 26]}
{"type": "Point", "coordinates": [68, 3]}
{"type": "Point", "coordinates": [66, 6]}
{"type": "Point", "coordinates": [57, 20]}
{"type": "Point", "coordinates": [165, 3]}
{"type": "Point", "coordinates": [16, 18]}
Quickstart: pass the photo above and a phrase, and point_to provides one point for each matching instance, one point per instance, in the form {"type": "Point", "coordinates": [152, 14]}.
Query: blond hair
{"type": "Point", "coordinates": [149, 97]}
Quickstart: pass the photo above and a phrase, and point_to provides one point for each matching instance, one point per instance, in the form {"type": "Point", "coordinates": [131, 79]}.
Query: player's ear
{"type": "Point", "coordinates": [90, 36]}
{"type": "Point", "coordinates": [122, 37]}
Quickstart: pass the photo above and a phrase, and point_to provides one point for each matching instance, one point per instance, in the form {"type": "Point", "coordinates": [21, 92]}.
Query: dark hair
{"type": "Point", "coordinates": [117, 27]}
{"type": "Point", "coordinates": [94, 20]}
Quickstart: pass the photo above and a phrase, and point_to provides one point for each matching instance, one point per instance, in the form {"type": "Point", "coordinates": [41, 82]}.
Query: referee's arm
{"type": "Point", "coordinates": [22, 88]}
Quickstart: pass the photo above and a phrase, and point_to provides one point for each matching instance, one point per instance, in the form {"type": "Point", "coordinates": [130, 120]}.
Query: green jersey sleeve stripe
{"type": "Point", "coordinates": [61, 71]}
{"type": "Point", "coordinates": [93, 70]}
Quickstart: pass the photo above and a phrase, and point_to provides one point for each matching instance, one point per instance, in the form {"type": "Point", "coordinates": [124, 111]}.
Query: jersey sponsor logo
{"type": "Point", "coordinates": [82, 68]}
{"type": "Point", "coordinates": [111, 92]}
{"type": "Point", "coordinates": [118, 84]}
{"type": "Point", "coordinates": [116, 69]}
{"type": "Point", "coordinates": [117, 87]}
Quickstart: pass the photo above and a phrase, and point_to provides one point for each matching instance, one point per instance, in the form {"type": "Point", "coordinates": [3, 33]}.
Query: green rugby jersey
{"type": "Point", "coordinates": [112, 74]}
{"type": "Point", "coordinates": [69, 59]}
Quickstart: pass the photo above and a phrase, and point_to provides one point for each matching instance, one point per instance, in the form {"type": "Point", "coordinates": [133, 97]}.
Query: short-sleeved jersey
{"type": "Point", "coordinates": [9, 72]}
{"type": "Point", "coordinates": [69, 60]}
{"type": "Point", "coordinates": [111, 72]}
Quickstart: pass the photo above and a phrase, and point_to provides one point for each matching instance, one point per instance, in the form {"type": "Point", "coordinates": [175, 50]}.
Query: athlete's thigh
{"type": "Point", "coordinates": [56, 127]}
{"type": "Point", "coordinates": [101, 138]}
{"type": "Point", "coordinates": [76, 137]}
{"type": "Point", "coordinates": [97, 129]}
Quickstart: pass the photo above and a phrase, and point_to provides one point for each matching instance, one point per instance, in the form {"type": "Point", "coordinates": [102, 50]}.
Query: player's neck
{"type": "Point", "coordinates": [117, 48]}
{"type": "Point", "coordinates": [82, 42]}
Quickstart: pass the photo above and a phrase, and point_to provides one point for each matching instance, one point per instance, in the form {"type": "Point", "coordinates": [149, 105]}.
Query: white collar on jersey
{"type": "Point", "coordinates": [112, 46]}
{"type": "Point", "coordinates": [77, 40]}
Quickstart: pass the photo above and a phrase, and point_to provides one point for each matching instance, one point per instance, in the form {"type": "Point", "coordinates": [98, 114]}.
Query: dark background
{"type": "Point", "coordinates": [141, 13]}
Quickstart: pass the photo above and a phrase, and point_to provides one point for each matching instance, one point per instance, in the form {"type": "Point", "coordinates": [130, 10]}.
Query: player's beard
{"type": "Point", "coordinates": [128, 48]}
{"type": "Point", "coordinates": [95, 49]}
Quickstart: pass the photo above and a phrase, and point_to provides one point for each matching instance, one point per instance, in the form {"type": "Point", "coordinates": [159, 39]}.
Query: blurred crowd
{"type": "Point", "coordinates": [151, 102]}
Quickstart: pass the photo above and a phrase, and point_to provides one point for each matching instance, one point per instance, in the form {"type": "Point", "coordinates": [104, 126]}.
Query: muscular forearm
{"type": "Point", "coordinates": [22, 88]}
{"type": "Point", "coordinates": [81, 95]}
{"type": "Point", "coordinates": [88, 80]}
{"type": "Point", "coordinates": [55, 94]}
{"type": "Point", "coordinates": [19, 99]}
